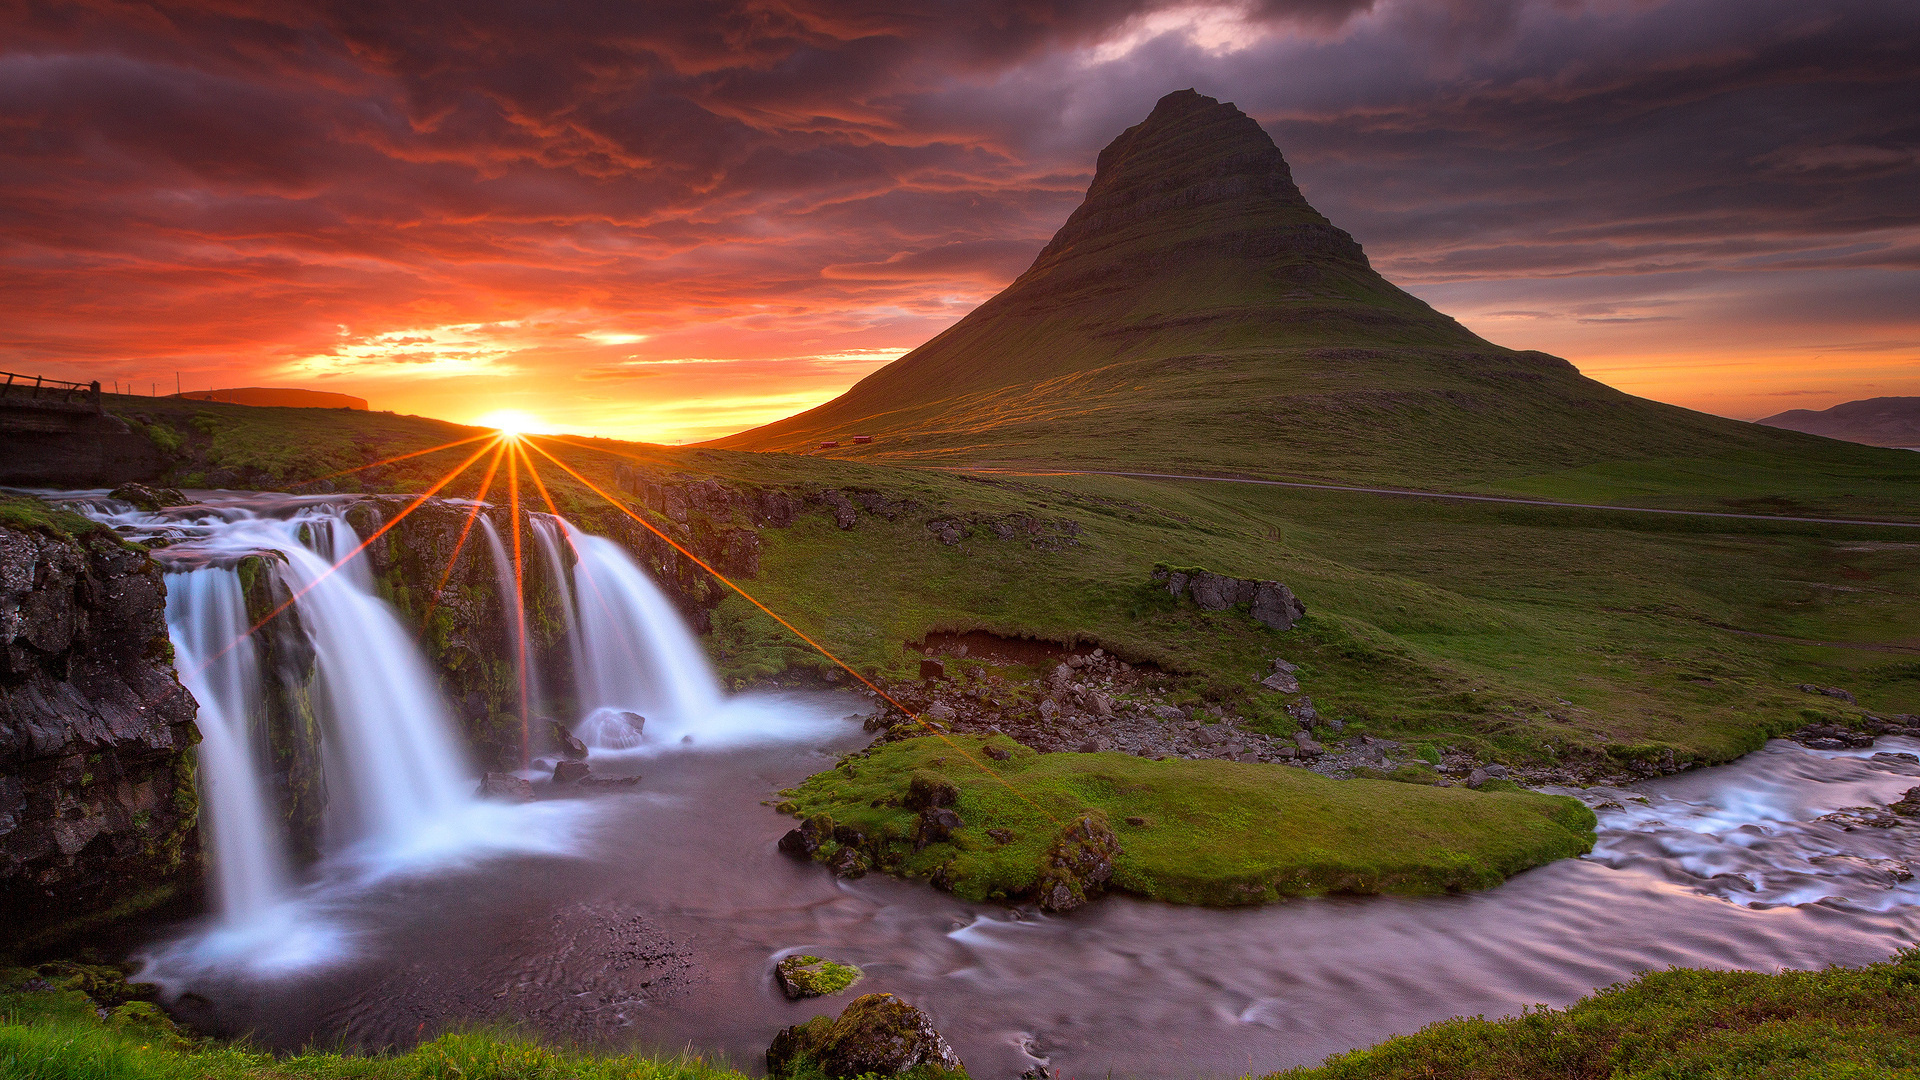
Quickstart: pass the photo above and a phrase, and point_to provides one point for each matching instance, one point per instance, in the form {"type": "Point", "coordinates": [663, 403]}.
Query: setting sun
{"type": "Point", "coordinates": [509, 422]}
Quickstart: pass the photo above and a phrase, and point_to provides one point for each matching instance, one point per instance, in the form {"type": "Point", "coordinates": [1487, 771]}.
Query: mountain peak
{"type": "Point", "coordinates": [1192, 158]}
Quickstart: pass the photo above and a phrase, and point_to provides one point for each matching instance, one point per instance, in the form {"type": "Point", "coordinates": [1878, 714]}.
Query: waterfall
{"type": "Point", "coordinates": [207, 613]}
{"type": "Point", "coordinates": [510, 612]}
{"type": "Point", "coordinates": [633, 651]}
{"type": "Point", "coordinates": [391, 739]}
{"type": "Point", "coordinates": [549, 533]}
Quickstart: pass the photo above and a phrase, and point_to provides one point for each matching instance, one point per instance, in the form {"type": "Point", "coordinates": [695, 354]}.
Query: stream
{"type": "Point", "coordinates": [661, 926]}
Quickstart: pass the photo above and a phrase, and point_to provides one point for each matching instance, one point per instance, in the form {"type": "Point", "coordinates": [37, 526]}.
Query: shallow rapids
{"type": "Point", "coordinates": [661, 928]}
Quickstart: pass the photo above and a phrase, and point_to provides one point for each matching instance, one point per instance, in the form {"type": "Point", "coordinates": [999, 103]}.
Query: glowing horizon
{"type": "Point", "coordinates": [677, 240]}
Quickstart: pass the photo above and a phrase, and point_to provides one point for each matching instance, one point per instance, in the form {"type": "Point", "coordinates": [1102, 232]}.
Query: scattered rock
{"type": "Point", "coordinates": [941, 712]}
{"type": "Point", "coordinates": [1079, 863]}
{"type": "Point", "coordinates": [1305, 746]}
{"type": "Point", "coordinates": [1893, 758]}
{"type": "Point", "coordinates": [1283, 667]}
{"type": "Point", "coordinates": [1478, 777]}
{"type": "Point", "coordinates": [1827, 691]}
{"type": "Point", "coordinates": [926, 790]}
{"type": "Point", "coordinates": [1000, 836]}
{"type": "Point", "coordinates": [1499, 771]}
{"type": "Point", "coordinates": [1270, 602]}
{"type": "Point", "coordinates": [801, 842]}
{"type": "Point", "coordinates": [1091, 746]}
{"type": "Point", "coordinates": [147, 498]}
{"type": "Point", "coordinates": [564, 741]}
{"type": "Point", "coordinates": [935, 824]}
{"type": "Point", "coordinates": [1137, 822]}
{"type": "Point", "coordinates": [877, 1034]}
{"type": "Point", "coordinates": [998, 753]}
{"type": "Point", "coordinates": [811, 976]}
{"type": "Point", "coordinates": [848, 862]}
{"type": "Point", "coordinates": [610, 781]}
{"type": "Point", "coordinates": [499, 785]}
{"type": "Point", "coordinates": [1909, 804]}
{"type": "Point", "coordinates": [932, 669]}
{"type": "Point", "coordinates": [1281, 682]}
{"type": "Point", "coordinates": [566, 772]}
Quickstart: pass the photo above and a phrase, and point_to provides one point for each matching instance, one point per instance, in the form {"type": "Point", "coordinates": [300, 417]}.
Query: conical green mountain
{"type": "Point", "coordinates": [1195, 313]}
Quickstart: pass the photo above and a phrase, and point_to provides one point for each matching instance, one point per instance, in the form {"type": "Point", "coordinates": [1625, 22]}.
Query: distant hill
{"type": "Point", "coordinates": [1881, 421]}
{"type": "Point", "coordinates": [1196, 314]}
{"type": "Point", "coordinates": [275, 396]}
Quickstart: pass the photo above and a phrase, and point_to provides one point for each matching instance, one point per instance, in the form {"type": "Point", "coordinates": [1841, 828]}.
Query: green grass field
{"type": "Point", "coordinates": [1680, 1024]}
{"type": "Point", "coordinates": [1192, 832]}
{"type": "Point", "coordinates": [54, 1031]}
{"type": "Point", "coordinates": [1521, 633]}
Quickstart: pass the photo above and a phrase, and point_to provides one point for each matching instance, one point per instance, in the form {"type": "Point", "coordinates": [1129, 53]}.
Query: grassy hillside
{"type": "Point", "coordinates": [1516, 632]}
{"type": "Point", "coordinates": [1196, 314]}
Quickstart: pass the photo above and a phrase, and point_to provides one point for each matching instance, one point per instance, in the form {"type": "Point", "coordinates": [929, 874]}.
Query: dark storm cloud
{"type": "Point", "coordinates": [233, 182]}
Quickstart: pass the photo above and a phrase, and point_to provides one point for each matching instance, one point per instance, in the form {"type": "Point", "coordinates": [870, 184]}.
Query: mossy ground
{"type": "Point", "coordinates": [1680, 1024]}
{"type": "Point", "coordinates": [28, 514]}
{"type": "Point", "coordinates": [1196, 832]}
{"type": "Point", "coordinates": [58, 1034]}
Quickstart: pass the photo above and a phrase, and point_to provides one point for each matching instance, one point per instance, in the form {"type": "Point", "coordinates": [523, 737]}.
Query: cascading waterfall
{"type": "Point", "coordinates": [392, 740]}
{"type": "Point", "coordinates": [207, 620]}
{"type": "Point", "coordinates": [633, 651]}
{"type": "Point", "coordinates": [510, 610]}
{"type": "Point", "coordinates": [400, 788]}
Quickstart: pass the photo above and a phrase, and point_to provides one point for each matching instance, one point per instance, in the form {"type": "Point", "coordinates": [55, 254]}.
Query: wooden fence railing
{"type": "Point", "coordinates": [40, 388]}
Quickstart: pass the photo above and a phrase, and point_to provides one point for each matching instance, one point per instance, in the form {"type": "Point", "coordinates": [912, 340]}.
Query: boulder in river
{"type": "Point", "coordinates": [802, 976]}
{"type": "Point", "coordinates": [877, 1034]}
{"type": "Point", "coordinates": [1909, 804]}
{"type": "Point", "coordinates": [500, 785]}
{"type": "Point", "coordinates": [801, 842]}
{"type": "Point", "coordinates": [564, 742]}
{"type": "Point", "coordinates": [567, 772]}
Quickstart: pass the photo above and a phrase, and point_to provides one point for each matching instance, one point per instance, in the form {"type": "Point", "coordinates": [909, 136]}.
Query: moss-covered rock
{"type": "Point", "coordinates": [803, 976]}
{"type": "Point", "coordinates": [1057, 828]}
{"type": "Point", "coordinates": [877, 1035]}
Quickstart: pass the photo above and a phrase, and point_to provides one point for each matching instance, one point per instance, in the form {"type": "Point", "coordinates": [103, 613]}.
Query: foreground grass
{"type": "Point", "coordinates": [1195, 832]}
{"type": "Point", "coordinates": [1681, 1023]}
{"type": "Point", "coordinates": [59, 1034]}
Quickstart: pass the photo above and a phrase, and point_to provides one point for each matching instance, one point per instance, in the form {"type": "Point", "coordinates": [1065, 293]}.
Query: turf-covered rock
{"type": "Point", "coordinates": [803, 976]}
{"type": "Point", "coordinates": [877, 1034]}
{"type": "Point", "coordinates": [1079, 864]}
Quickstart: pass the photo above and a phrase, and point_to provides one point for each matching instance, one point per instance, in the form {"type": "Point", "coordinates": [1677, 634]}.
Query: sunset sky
{"type": "Point", "coordinates": [669, 221]}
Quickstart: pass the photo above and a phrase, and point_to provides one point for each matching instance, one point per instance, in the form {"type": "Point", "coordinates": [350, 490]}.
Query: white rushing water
{"type": "Point", "coordinates": [633, 653]}
{"type": "Point", "coordinates": [400, 788]}
{"type": "Point", "coordinates": [207, 619]}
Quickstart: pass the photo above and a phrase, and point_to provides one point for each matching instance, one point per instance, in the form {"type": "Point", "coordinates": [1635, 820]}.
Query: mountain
{"type": "Point", "coordinates": [1881, 421]}
{"type": "Point", "coordinates": [1196, 313]}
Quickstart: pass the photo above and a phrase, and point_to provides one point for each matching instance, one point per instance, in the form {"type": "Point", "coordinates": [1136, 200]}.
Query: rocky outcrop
{"type": "Point", "coordinates": [877, 1034]}
{"type": "Point", "coordinates": [97, 804]}
{"type": "Point", "coordinates": [1269, 602]}
{"type": "Point", "coordinates": [296, 776]}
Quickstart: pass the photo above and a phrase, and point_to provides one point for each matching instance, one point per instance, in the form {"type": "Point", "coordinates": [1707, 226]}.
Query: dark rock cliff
{"type": "Point", "coordinates": [97, 806]}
